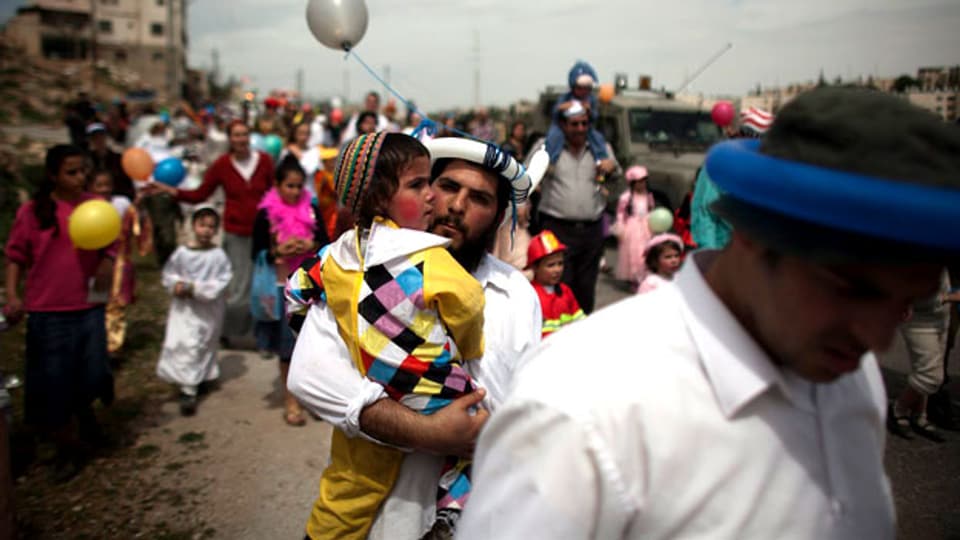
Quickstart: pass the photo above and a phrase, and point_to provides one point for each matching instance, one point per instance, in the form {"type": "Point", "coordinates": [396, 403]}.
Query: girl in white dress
{"type": "Point", "coordinates": [196, 276]}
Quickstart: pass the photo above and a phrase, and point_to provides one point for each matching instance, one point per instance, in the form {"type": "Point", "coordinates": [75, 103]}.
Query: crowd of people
{"type": "Point", "coordinates": [428, 303]}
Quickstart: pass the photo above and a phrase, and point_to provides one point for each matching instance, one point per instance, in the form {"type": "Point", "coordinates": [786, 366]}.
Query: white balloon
{"type": "Point", "coordinates": [338, 24]}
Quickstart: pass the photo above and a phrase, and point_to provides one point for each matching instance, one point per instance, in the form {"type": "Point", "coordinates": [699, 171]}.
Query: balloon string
{"type": "Point", "coordinates": [426, 123]}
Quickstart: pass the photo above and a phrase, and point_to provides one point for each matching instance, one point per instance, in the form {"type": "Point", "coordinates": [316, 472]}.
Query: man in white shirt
{"type": "Point", "coordinates": [370, 104]}
{"type": "Point", "coordinates": [742, 401]}
{"type": "Point", "coordinates": [469, 203]}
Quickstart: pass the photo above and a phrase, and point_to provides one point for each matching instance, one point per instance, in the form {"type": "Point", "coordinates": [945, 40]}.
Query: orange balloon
{"type": "Point", "coordinates": [605, 94]}
{"type": "Point", "coordinates": [137, 163]}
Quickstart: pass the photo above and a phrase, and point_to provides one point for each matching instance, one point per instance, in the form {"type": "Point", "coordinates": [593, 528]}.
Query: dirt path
{"type": "Point", "coordinates": [252, 475]}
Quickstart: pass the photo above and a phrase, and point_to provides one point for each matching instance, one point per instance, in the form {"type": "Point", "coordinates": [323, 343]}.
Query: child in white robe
{"type": "Point", "coordinates": [197, 277]}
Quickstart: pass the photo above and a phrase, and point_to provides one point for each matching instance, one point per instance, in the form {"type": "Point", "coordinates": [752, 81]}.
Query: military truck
{"type": "Point", "coordinates": [648, 128]}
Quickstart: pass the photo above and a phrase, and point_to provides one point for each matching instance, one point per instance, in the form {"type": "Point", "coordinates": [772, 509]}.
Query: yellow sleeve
{"type": "Point", "coordinates": [458, 297]}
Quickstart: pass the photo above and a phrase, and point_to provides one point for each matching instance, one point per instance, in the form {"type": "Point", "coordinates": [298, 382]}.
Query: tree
{"type": "Point", "coordinates": [904, 83]}
{"type": "Point", "coordinates": [821, 81]}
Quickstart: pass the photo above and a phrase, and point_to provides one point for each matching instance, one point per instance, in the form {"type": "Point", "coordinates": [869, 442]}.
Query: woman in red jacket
{"type": "Point", "coordinates": [245, 175]}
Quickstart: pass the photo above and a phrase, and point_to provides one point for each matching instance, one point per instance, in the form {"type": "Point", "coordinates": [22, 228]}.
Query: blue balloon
{"type": "Point", "coordinates": [258, 142]}
{"type": "Point", "coordinates": [170, 172]}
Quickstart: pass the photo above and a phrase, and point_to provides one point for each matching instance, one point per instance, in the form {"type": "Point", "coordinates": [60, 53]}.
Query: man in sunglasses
{"type": "Point", "coordinates": [572, 201]}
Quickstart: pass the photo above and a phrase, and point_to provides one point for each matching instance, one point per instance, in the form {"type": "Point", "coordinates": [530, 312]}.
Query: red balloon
{"type": "Point", "coordinates": [722, 113]}
{"type": "Point", "coordinates": [336, 117]}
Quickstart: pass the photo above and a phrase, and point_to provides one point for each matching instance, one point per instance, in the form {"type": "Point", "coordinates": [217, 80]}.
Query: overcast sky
{"type": "Point", "coordinates": [526, 44]}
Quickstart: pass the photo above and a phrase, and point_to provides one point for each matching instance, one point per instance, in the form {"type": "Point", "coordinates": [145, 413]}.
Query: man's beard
{"type": "Point", "coordinates": [471, 251]}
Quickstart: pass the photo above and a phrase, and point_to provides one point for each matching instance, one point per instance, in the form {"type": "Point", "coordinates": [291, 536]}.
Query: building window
{"type": "Point", "coordinates": [120, 56]}
{"type": "Point", "coordinates": [105, 27]}
{"type": "Point", "coordinates": [109, 2]}
{"type": "Point", "coordinates": [159, 2]}
{"type": "Point", "coordinates": [157, 56]}
{"type": "Point", "coordinates": [156, 29]}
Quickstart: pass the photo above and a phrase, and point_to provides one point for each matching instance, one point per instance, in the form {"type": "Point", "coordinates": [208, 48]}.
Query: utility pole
{"type": "Point", "coordinates": [215, 72]}
{"type": "Point", "coordinates": [300, 83]}
{"type": "Point", "coordinates": [346, 85]}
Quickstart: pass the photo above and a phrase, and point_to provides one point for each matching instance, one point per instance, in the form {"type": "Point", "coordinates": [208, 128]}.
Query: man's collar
{"type": "Point", "coordinates": [738, 369]}
{"type": "Point", "coordinates": [494, 272]}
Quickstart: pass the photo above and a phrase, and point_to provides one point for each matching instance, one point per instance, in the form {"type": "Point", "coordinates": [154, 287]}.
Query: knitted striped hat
{"type": "Point", "coordinates": [355, 169]}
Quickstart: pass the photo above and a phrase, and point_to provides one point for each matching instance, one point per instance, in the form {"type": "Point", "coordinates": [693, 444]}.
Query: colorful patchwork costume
{"type": "Point", "coordinates": [409, 315]}
{"type": "Point", "coordinates": [559, 305]}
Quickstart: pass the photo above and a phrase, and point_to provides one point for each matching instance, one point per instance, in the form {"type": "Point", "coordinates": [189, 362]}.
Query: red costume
{"type": "Point", "coordinates": [559, 307]}
{"type": "Point", "coordinates": [557, 302]}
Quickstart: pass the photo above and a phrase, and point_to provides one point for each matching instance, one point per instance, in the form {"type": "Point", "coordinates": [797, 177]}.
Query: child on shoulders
{"type": "Point", "coordinates": [582, 79]}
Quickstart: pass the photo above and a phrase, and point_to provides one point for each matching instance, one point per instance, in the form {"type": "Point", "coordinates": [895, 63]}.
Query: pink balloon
{"type": "Point", "coordinates": [722, 113]}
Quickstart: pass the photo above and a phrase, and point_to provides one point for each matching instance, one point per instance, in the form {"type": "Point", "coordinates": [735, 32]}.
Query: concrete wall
{"type": "Point", "coordinates": [24, 32]}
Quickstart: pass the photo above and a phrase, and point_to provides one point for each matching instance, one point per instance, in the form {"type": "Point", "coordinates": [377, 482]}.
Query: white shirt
{"type": "Point", "coordinates": [349, 132]}
{"type": "Point", "coordinates": [323, 377]}
{"type": "Point", "coordinates": [661, 417]}
{"type": "Point", "coordinates": [247, 167]}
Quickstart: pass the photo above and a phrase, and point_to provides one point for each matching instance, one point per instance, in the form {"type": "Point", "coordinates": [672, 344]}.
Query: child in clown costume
{"type": "Point", "coordinates": [410, 315]}
{"type": "Point", "coordinates": [560, 307]}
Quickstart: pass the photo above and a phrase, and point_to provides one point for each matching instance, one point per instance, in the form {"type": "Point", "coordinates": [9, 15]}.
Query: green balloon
{"type": "Point", "coordinates": [273, 145]}
{"type": "Point", "coordinates": [660, 221]}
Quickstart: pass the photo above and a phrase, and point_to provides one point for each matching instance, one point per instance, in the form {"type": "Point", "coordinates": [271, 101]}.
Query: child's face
{"type": "Point", "coordinates": [102, 185]}
{"type": "Point", "coordinates": [581, 91]}
{"type": "Point", "coordinates": [291, 187]}
{"type": "Point", "coordinates": [639, 186]}
{"type": "Point", "coordinates": [204, 229]}
{"type": "Point", "coordinates": [668, 262]}
{"type": "Point", "coordinates": [549, 270]}
{"type": "Point", "coordinates": [302, 135]}
{"type": "Point", "coordinates": [412, 205]}
{"type": "Point", "coordinates": [71, 176]}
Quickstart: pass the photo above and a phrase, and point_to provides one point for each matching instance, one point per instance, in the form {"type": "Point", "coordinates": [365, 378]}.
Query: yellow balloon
{"type": "Point", "coordinates": [94, 224]}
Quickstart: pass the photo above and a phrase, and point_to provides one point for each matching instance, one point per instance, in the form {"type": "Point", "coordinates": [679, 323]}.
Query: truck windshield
{"type": "Point", "coordinates": [672, 127]}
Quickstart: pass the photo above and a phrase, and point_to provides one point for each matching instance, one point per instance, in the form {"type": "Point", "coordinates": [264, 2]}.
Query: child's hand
{"type": "Point", "coordinates": [182, 290]}
{"type": "Point", "coordinates": [304, 246]}
{"type": "Point", "coordinates": [13, 311]}
{"type": "Point", "coordinates": [104, 275]}
{"type": "Point", "coordinates": [287, 248]}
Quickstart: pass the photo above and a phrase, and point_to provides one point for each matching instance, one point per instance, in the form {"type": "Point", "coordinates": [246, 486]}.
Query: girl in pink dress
{"type": "Point", "coordinates": [631, 227]}
{"type": "Point", "coordinates": [662, 255]}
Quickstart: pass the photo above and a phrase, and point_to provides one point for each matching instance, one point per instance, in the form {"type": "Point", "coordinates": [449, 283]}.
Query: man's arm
{"type": "Point", "coordinates": [452, 430]}
{"type": "Point", "coordinates": [323, 377]}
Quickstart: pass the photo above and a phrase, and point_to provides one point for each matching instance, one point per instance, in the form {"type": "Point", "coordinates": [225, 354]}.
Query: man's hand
{"type": "Point", "coordinates": [456, 426]}
{"type": "Point", "coordinates": [606, 166]}
{"type": "Point", "coordinates": [451, 431]}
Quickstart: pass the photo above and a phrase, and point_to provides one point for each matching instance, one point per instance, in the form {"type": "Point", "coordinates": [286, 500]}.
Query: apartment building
{"type": "Point", "coordinates": [147, 37]}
